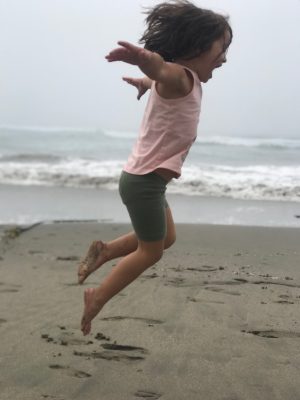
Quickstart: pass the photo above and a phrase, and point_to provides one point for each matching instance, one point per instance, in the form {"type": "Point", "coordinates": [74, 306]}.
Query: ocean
{"type": "Point", "coordinates": [68, 160]}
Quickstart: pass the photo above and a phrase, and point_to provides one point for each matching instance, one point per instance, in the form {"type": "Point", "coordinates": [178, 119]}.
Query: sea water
{"type": "Point", "coordinates": [240, 168]}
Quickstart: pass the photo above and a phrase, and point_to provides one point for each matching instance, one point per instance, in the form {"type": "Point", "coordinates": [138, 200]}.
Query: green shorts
{"type": "Point", "coordinates": [144, 197]}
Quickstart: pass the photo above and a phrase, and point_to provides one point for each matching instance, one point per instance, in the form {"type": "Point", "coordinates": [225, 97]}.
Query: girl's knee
{"type": "Point", "coordinates": [153, 251]}
{"type": "Point", "coordinates": [155, 255]}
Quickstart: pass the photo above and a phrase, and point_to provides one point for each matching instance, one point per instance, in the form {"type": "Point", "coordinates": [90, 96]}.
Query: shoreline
{"type": "Point", "coordinates": [23, 205]}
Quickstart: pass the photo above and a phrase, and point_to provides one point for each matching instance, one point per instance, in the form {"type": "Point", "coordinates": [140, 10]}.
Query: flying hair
{"type": "Point", "coordinates": [180, 30]}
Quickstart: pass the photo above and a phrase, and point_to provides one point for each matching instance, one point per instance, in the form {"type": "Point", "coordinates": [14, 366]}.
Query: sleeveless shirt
{"type": "Point", "coordinates": [167, 132]}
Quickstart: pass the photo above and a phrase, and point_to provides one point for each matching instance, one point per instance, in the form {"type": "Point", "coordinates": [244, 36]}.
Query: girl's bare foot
{"type": "Point", "coordinates": [91, 309]}
{"type": "Point", "coordinates": [93, 260]}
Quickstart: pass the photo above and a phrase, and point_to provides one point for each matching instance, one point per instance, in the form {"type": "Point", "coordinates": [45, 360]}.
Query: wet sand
{"type": "Point", "coordinates": [216, 319]}
{"type": "Point", "coordinates": [44, 203]}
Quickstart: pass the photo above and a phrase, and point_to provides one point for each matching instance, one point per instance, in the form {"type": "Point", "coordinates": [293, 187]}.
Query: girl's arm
{"type": "Point", "coordinates": [142, 84]}
{"type": "Point", "coordinates": [171, 76]}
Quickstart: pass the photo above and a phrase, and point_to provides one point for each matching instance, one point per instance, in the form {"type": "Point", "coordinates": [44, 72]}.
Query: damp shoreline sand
{"type": "Point", "coordinates": [217, 318]}
{"type": "Point", "coordinates": [28, 204]}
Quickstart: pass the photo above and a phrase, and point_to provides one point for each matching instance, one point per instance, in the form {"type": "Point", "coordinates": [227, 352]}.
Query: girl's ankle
{"type": "Point", "coordinates": [98, 297]}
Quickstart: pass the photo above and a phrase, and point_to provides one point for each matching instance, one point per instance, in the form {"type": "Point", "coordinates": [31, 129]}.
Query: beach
{"type": "Point", "coordinates": [216, 319]}
{"type": "Point", "coordinates": [218, 316]}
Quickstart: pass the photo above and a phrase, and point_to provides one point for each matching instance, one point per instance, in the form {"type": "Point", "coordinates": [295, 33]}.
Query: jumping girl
{"type": "Point", "coordinates": [183, 44]}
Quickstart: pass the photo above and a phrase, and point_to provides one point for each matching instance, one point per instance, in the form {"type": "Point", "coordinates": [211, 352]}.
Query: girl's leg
{"type": "Point", "coordinates": [126, 244]}
{"type": "Point", "coordinates": [126, 271]}
{"type": "Point", "coordinates": [100, 252]}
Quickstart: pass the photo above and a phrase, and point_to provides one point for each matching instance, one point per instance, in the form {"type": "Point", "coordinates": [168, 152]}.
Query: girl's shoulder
{"type": "Point", "coordinates": [183, 84]}
{"type": "Point", "coordinates": [186, 86]}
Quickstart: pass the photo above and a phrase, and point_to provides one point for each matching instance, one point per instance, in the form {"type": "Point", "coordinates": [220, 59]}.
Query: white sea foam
{"type": "Point", "coordinates": [251, 182]}
{"type": "Point", "coordinates": [69, 173]}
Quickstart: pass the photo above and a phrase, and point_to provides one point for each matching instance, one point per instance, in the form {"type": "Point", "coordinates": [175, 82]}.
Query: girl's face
{"type": "Point", "coordinates": [204, 64]}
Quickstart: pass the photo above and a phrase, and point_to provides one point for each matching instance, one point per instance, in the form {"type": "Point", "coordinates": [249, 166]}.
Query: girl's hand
{"type": "Point", "coordinates": [128, 53]}
{"type": "Point", "coordinates": [139, 83]}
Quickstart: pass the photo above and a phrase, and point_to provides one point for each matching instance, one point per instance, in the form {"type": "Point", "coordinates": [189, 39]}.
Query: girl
{"type": "Point", "coordinates": [183, 44]}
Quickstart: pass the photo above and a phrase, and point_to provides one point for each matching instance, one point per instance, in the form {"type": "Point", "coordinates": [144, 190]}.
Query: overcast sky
{"type": "Point", "coordinates": [53, 71]}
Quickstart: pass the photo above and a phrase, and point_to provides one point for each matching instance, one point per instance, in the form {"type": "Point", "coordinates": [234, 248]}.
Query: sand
{"type": "Point", "coordinates": [216, 319]}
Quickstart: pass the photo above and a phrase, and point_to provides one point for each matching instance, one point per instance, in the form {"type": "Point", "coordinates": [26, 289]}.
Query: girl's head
{"type": "Point", "coordinates": [179, 30]}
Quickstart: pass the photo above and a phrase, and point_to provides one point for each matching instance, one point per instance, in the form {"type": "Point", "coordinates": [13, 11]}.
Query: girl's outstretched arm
{"type": "Point", "coordinates": [142, 84]}
{"type": "Point", "coordinates": [153, 65]}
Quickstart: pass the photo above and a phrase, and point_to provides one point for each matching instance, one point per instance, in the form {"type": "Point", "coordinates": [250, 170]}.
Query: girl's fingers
{"type": "Point", "coordinates": [127, 52]}
{"type": "Point", "coordinates": [127, 45]}
{"type": "Point", "coordinates": [116, 55]}
{"type": "Point", "coordinates": [131, 81]}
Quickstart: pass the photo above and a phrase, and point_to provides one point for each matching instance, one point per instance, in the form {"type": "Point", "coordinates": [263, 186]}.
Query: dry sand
{"type": "Point", "coordinates": [216, 319]}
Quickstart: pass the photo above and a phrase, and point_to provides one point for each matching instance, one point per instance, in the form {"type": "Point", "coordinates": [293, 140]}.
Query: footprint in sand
{"type": "Point", "coordinates": [235, 282]}
{"type": "Point", "coordinates": [109, 356]}
{"type": "Point", "coordinates": [147, 395]}
{"type": "Point", "coordinates": [116, 352]}
{"type": "Point", "coordinates": [274, 334]}
{"type": "Point", "coordinates": [284, 302]}
{"type": "Point", "coordinates": [100, 336]}
{"type": "Point", "coordinates": [108, 346]}
{"type": "Point", "coordinates": [70, 371]}
{"type": "Point", "coordinates": [9, 288]}
{"type": "Point", "coordinates": [284, 299]}
{"type": "Point", "coordinates": [64, 337]}
{"type": "Point", "coordinates": [194, 300]}
{"type": "Point", "coordinates": [111, 351]}
{"type": "Point", "coordinates": [275, 283]}
{"type": "Point", "coordinates": [203, 268]}
{"type": "Point", "coordinates": [151, 276]}
{"type": "Point", "coordinates": [221, 290]}
{"type": "Point", "coordinates": [146, 320]}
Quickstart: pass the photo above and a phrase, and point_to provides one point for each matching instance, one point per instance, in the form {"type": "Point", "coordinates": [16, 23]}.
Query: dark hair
{"type": "Point", "coordinates": [179, 29]}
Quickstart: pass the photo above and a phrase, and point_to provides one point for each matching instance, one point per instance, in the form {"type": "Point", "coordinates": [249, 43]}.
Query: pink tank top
{"type": "Point", "coordinates": [168, 130]}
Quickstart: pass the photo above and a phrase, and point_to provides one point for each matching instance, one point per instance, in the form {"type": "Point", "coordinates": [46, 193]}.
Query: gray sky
{"type": "Point", "coordinates": [53, 71]}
